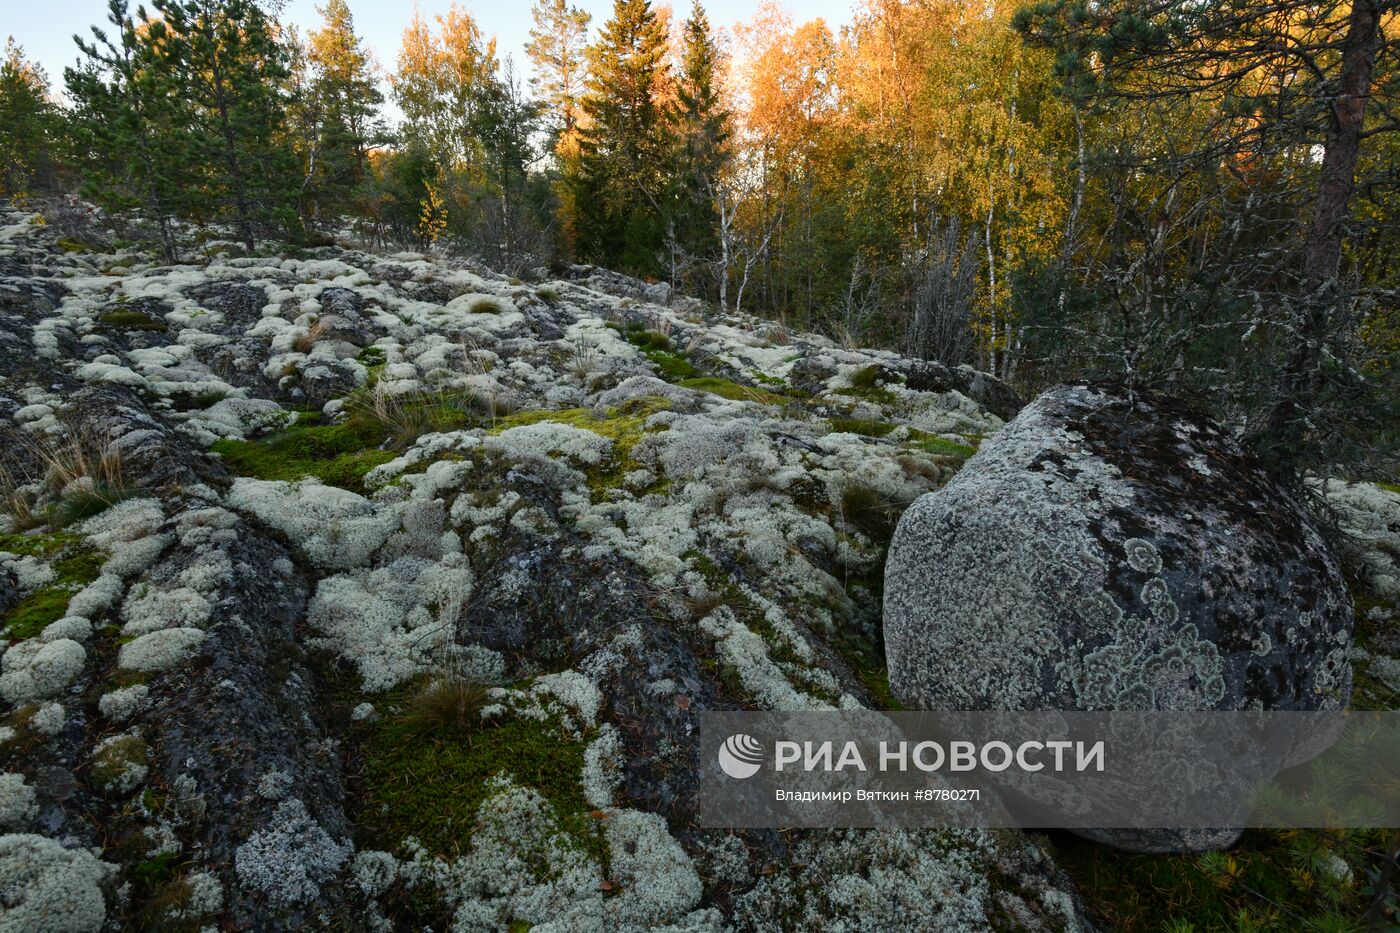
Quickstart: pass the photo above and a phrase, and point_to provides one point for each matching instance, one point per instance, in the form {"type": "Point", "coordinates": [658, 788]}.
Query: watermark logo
{"type": "Point", "coordinates": [741, 756]}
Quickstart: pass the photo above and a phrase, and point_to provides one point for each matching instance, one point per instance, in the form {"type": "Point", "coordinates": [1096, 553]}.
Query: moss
{"type": "Point", "coordinates": [645, 340]}
{"type": "Point", "coordinates": [660, 349]}
{"type": "Point", "coordinates": [674, 367]}
{"type": "Point", "coordinates": [431, 786]}
{"type": "Point", "coordinates": [346, 470]}
{"type": "Point", "coordinates": [866, 426]}
{"type": "Point", "coordinates": [132, 320]}
{"type": "Point", "coordinates": [867, 659]}
{"type": "Point", "coordinates": [156, 870]}
{"type": "Point", "coordinates": [1269, 879]}
{"type": "Point", "coordinates": [74, 567]}
{"type": "Point", "coordinates": [1393, 487]}
{"type": "Point", "coordinates": [865, 384]}
{"type": "Point", "coordinates": [933, 444]}
{"type": "Point", "coordinates": [726, 388]}
{"type": "Point", "coordinates": [371, 356]}
{"type": "Point", "coordinates": [71, 245]}
{"type": "Point", "coordinates": [38, 545]}
{"type": "Point", "coordinates": [624, 425]}
{"type": "Point", "coordinates": [341, 454]}
{"type": "Point", "coordinates": [111, 763]}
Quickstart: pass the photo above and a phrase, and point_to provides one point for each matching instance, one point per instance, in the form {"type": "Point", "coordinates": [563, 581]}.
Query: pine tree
{"type": "Point", "coordinates": [231, 68]}
{"type": "Point", "coordinates": [556, 47]}
{"type": "Point", "coordinates": [131, 126]}
{"type": "Point", "coordinates": [625, 143]}
{"type": "Point", "coordinates": [29, 126]}
{"type": "Point", "coordinates": [702, 128]}
{"type": "Point", "coordinates": [347, 101]}
{"type": "Point", "coordinates": [506, 120]}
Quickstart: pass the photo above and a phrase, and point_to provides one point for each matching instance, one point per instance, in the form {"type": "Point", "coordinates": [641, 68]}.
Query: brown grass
{"type": "Point", "coordinates": [318, 329]}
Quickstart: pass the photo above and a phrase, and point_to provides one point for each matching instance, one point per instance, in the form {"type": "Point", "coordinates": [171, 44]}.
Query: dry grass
{"type": "Point", "coordinates": [868, 510]}
{"type": "Point", "coordinates": [318, 329]}
{"type": "Point", "coordinates": [583, 363]}
{"type": "Point", "coordinates": [81, 475]}
{"type": "Point", "coordinates": [446, 704]}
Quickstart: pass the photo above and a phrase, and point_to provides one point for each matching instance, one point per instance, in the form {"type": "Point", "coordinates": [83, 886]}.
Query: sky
{"type": "Point", "coordinates": [44, 28]}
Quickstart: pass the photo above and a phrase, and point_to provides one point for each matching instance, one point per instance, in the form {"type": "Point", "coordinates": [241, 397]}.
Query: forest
{"type": "Point", "coordinates": [1197, 196]}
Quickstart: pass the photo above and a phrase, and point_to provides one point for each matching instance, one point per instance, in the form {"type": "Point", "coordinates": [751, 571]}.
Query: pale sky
{"type": "Point", "coordinates": [45, 28]}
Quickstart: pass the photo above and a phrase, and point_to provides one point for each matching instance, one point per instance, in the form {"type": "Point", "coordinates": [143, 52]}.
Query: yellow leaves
{"type": "Point", "coordinates": [432, 218]}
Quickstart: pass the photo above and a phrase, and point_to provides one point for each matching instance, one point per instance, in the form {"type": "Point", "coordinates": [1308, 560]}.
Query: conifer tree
{"type": "Point", "coordinates": [347, 103]}
{"type": "Point", "coordinates": [229, 66]}
{"type": "Point", "coordinates": [625, 144]}
{"type": "Point", "coordinates": [556, 47]}
{"type": "Point", "coordinates": [130, 124]}
{"type": "Point", "coordinates": [506, 120]}
{"type": "Point", "coordinates": [29, 126]}
{"type": "Point", "coordinates": [702, 129]}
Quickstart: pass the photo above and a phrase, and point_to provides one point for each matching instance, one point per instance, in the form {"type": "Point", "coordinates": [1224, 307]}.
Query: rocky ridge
{"type": "Point", "coordinates": [274, 499]}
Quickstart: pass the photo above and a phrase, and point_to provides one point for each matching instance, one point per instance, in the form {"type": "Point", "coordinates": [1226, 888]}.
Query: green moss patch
{"type": "Point", "coordinates": [132, 320]}
{"type": "Point", "coordinates": [933, 444]}
{"type": "Point", "coordinates": [341, 454]}
{"type": "Point", "coordinates": [624, 425]}
{"type": "Point", "coordinates": [300, 453]}
{"type": "Point", "coordinates": [75, 567]}
{"type": "Point", "coordinates": [661, 350]}
{"type": "Point", "coordinates": [726, 388]}
{"type": "Point", "coordinates": [867, 426]}
{"type": "Point", "coordinates": [431, 786]}
{"type": "Point", "coordinates": [1270, 880]}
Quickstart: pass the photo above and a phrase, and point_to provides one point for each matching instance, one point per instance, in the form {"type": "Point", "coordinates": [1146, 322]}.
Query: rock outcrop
{"type": "Point", "coordinates": [340, 479]}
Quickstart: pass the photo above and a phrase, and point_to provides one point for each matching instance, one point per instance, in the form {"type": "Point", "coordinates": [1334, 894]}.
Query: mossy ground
{"type": "Point", "coordinates": [341, 454]}
{"type": "Point", "coordinates": [661, 350]}
{"type": "Point", "coordinates": [75, 566]}
{"type": "Point", "coordinates": [865, 384]}
{"type": "Point", "coordinates": [729, 389]}
{"type": "Point", "coordinates": [624, 425]}
{"type": "Point", "coordinates": [933, 444]}
{"type": "Point", "coordinates": [132, 320]}
{"type": "Point", "coordinates": [431, 786]}
{"type": "Point", "coordinates": [866, 426]}
{"type": "Point", "coordinates": [1271, 880]}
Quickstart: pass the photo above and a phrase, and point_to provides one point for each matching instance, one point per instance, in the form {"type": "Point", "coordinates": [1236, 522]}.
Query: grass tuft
{"type": "Point", "coordinates": [446, 706]}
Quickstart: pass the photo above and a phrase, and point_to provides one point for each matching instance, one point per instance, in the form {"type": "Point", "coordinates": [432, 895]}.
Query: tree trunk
{"type": "Point", "coordinates": [1300, 380]}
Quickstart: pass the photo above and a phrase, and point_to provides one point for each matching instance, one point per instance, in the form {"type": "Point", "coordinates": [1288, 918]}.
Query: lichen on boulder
{"type": "Point", "coordinates": [1114, 551]}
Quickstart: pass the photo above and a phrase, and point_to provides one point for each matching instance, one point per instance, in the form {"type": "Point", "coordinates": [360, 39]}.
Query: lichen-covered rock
{"type": "Point", "coordinates": [603, 507]}
{"type": "Point", "coordinates": [1109, 552]}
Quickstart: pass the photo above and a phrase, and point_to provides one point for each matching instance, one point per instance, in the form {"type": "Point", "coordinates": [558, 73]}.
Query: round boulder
{"type": "Point", "coordinates": [1108, 551]}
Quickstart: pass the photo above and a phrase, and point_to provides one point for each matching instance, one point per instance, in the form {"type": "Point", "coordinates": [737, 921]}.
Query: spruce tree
{"type": "Point", "coordinates": [231, 68]}
{"type": "Point", "coordinates": [625, 144]}
{"type": "Point", "coordinates": [131, 126]}
{"type": "Point", "coordinates": [702, 130]}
